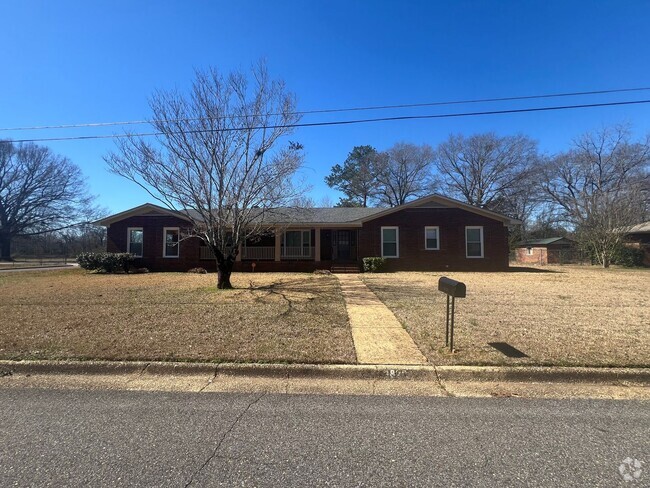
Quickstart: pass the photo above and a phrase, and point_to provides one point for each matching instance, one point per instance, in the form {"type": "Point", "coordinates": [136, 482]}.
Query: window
{"type": "Point", "coordinates": [431, 238]}
{"type": "Point", "coordinates": [390, 242]}
{"type": "Point", "coordinates": [171, 246]}
{"type": "Point", "coordinates": [529, 251]}
{"type": "Point", "coordinates": [297, 243]}
{"type": "Point", "coordinates": [134, 240]}
{"type": "Point", "coordinates": [474, 242]}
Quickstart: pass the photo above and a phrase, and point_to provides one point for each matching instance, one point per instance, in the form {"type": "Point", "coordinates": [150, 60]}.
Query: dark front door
{"type": "Point", "coordinates": [344, 243]}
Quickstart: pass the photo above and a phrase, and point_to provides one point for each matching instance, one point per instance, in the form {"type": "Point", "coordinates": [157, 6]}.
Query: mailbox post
{"type": "Point", "coordinates": [454, 289]}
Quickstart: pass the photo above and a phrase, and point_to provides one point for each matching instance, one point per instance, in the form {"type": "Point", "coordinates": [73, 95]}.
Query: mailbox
{"type": "Point", "coordinates": [452, 288]}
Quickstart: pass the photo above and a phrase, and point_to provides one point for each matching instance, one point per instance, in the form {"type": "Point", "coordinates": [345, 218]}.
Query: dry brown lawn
{"type": "Point", "coordinates": [563, 315]}
{"type": "Point", "coordinates": [164, 316]}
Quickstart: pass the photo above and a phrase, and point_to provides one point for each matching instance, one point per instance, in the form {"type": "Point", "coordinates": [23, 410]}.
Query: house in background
{"type": "Point", "coordinates": [552, 250]}
{"type": "Point", "coordinates": [431, 233]}
{"type": "Point", "coordinates": [639, 237]}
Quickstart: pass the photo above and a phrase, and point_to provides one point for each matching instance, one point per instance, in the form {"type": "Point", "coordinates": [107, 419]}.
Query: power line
{"type": "Point", "coordinates": [336, 110]}
{"type": "Point", "coordinates": [344, 122]}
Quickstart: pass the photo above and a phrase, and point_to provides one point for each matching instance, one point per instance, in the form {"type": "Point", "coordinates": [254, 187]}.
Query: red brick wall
{"type": "Point", "coordinates": [152, 227]}
{"type": "Point", "coordinates": [539, 256]}
{"type": "Point", "coordinates": [451, 256]}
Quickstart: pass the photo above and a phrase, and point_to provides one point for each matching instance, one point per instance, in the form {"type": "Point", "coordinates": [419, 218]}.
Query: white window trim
{"type": "Point", "coordinates": [302, 235]}
{"type": "Point", "coordinates": [396, 241]}
{"type": "Point", "coordinates": [178, 254]}
{"type": "Point", "coordinates": [529, 251]}
{"type": "Point", "coordinates": [437, 228]}
{"type": "Point", "coordinates": [128, 240]}
{"type": "Point", "coordinates": [480, 228]}
{"type": "Point", "coordinates": [302, 246]}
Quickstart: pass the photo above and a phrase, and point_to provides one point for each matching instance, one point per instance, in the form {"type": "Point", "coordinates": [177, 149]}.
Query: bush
{"type": "Point", "coordinates": [197, 270]}
{"type": "Point", "coordinates": [108, 262]}
{"type": "Point", "coordinates": [140, 270]}
{"type": "Point", "coordinates": [629, 257]}
{"type": "Point", "coordinates": [373, 265]}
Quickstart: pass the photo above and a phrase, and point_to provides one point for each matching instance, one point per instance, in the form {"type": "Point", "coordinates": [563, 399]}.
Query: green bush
{"type": "Point", "coordinates": [108, 262]}
{"type": "Point", "coordinates": [630, 257]}
{"type": "Point", "coordinates": [373, 265]}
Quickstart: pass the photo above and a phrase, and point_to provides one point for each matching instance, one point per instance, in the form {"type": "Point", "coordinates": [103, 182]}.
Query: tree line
{"type": "Point", "coordinates": [595, 190]}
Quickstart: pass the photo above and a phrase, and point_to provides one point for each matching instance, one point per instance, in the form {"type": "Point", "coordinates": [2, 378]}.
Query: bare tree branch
{"type": "Point", "coordinates": [600, 187]}
{"type": "Point", "coordinates": [224, 181]}
{"type": "Point", "coordinates": [39, 192]}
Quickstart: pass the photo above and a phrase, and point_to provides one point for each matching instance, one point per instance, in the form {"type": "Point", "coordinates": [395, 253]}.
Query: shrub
{"type": "Point", "coordinates": [629, 257]}
{"type": "Point", "coordinates": [373, 264]}
{"type": "Point", "coordinates": [197, 270]}
{"type": "Point", "coordinates": [140, 270]}
{"type": "Point", "coordinates": [108, 262]}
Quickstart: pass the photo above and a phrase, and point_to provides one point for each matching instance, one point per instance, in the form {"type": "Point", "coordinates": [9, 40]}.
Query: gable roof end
{"type": "Point", "coordinates": [450, 202]}
{"type": "Point", "coordinates": [136, 211]}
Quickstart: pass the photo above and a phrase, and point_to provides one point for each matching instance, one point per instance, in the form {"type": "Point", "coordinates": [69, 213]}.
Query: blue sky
{"type": "Point", "coordinates": [69, 62]}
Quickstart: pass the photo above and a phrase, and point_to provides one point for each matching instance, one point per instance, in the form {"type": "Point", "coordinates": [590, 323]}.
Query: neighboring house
{"type": "Point", "coordinates": [431, 233]}
{"type": "Point", "coordinates": [553, 250]}
{"type": "Point", "coordinates": [639, 238]}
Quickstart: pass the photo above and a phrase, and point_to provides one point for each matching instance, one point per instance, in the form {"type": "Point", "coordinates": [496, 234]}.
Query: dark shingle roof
{"type": "Point", "coordinates": [336, 215]}
{"type": "Point", "coordinates": [294, 215]}
{"type": "Point", "coordinates": [543, 242]}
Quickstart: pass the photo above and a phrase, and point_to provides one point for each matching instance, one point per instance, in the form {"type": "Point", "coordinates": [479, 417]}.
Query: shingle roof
{"type": "Point", "coordinates": [641, 228]}
{"type": "Point", "coordinates": [293, 215]}
{"type": "Point", "coordinates": [542, 242]}
{"type": "Point", "coordinates": [353, 216]}
{"type": "Point", "coordinates": [337, 215]}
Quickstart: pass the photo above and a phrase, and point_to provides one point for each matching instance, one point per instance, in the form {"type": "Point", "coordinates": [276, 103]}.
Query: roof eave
{"type": "Point", "coordinates": [106, 221]}
{"type": "Point", "coordinates": [448, 201]}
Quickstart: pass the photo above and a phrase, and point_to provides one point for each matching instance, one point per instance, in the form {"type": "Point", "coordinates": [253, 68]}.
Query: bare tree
{"type": "Point", "coordinates": [600, 188]}
{"type": "Point", "coordinates": [487, 170]}
{"type": "Point", "coordinates": [39, 192]}
{"type": "Point", "coordinates": [404, 173]}
{"type": "Point", "coordinates": [215, 160]}
{"type": "Point", "coordinates": [326, 202]}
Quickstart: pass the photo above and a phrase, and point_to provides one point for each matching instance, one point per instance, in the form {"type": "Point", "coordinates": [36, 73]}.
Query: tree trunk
{"type": "Point", "coordinates": [5, 247]}
{"type": "Point", "coordinates": [605, 259]}
{"type": "Point", "coordinates": [224, 270]}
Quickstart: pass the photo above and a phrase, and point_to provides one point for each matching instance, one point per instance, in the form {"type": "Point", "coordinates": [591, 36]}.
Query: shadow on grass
{"type": "Point", "coordinates": [508, 350]}
{"type": "Point", "coordinates": [519, 269]}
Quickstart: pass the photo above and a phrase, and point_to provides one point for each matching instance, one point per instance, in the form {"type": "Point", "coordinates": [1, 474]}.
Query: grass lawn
{"type": "Point", "coordinates": [562, 315]}
{"type": "Point", "coordinates": [164, 316]}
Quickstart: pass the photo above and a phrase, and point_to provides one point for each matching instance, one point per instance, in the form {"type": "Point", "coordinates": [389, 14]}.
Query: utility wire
{"type": "Point", "coordinates": [343, 122]}
{"type": "Point", "coordinates": [336, 110]}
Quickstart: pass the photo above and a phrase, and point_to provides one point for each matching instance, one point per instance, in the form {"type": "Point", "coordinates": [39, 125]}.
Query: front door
{"type": "Point", "coordinates": [343, 243]}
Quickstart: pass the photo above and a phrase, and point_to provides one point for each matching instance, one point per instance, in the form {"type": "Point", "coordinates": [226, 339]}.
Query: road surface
{"type": "Point", "coordinates": [121, 438]}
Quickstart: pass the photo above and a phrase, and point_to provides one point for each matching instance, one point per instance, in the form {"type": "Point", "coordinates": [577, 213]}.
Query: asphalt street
{"type": "Point", "coordinates": [121, 438]}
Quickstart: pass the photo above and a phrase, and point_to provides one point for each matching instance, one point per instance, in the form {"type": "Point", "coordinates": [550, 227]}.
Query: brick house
{"type": "Point", "coordinates": [552, 250]}
{"type": "Point", "coordinates": [431, 233]}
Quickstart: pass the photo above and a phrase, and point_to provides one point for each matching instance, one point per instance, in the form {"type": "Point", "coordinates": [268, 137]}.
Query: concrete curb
{"type": "Point", "coordinates": [637, 376]}
{"type": "Point", "coordinates": [559, 374]}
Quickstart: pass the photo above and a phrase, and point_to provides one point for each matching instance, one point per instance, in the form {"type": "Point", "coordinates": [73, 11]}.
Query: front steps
{"type": "Point", "coordinates": [350, 268]}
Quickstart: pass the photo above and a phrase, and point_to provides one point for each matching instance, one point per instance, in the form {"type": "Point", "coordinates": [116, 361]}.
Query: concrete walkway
{"type": "Point", "coordinates": [378, 336]}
